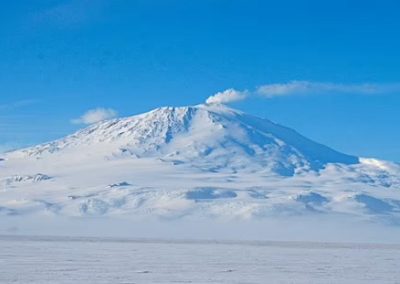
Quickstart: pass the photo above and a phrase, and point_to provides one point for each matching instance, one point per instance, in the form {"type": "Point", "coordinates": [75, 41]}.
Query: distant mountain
{"type": "Point", "coordinates": [207, 137]}
{"type": "Point", "coordinates": [181, 161]}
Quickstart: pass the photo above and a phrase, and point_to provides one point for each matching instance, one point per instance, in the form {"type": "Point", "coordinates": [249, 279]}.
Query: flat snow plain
{"type": "Point", "coordinates": [93, 260]}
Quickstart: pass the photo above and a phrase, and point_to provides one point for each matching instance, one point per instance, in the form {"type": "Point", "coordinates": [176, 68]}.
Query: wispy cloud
{"type": "Point", "coordinates": [95, 115]}
{"type": "Point", "coordinates": [70, 13]}
{"type": "Point", "coordinates": [303, 88]}
{"type": "Point", "coordinates": [308, 87]}
{"type": "Point", "coordinates": [227, 96]}
{"type": "Point", "coordinates": [17, 104]}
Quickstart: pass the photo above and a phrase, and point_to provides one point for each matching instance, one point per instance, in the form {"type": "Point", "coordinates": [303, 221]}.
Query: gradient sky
{"type": "Point", "coordinates": [59, 59]}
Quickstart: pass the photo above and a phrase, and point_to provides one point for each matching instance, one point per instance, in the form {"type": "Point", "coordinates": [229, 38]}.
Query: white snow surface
{"type": "Point", "coordinates": [87, 260]}
{"type": "Point", "coordinates": [206, 161]}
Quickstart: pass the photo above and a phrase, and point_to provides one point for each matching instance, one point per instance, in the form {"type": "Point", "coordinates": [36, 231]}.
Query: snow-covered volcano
{"type": "Point", "coordinates": [207, 137]}
{"type": "Point", "coordinates": [206, 159]}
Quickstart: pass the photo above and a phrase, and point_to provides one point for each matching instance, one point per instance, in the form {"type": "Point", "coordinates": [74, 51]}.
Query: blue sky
{"type": "Point", "coordinates": [59, 59]}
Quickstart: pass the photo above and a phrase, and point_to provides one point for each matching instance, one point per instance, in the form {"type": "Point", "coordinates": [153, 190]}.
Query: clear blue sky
{"type": "Point", "coordinates": [59, 59]}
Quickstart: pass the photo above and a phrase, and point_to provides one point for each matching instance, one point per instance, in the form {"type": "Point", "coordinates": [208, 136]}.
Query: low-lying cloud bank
{"type": "Point", "coordinates": [303, 88]}
{"type": "Point", "coordinates": [295, 228]}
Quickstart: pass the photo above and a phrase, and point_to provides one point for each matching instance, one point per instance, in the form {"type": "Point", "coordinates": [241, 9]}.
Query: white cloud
{"type": "Point", "coordinates": [227, 96]}
{"type": "Point", "coordinates": [95, 115]}
{"type": "Point", "coordinates": [304, 88]}
{"type": "Point", "coordinates": [307, 87]}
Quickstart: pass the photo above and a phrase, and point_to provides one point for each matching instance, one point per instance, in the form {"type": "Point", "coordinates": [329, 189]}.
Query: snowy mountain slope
{"type": "Point", "coordinates": [209, 137]}
{"type": "Point", "coordinates": [206, 160]}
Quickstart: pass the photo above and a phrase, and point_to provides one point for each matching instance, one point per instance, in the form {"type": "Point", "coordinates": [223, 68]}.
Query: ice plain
{"type": "Point", "coordinates": [107, 260]}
